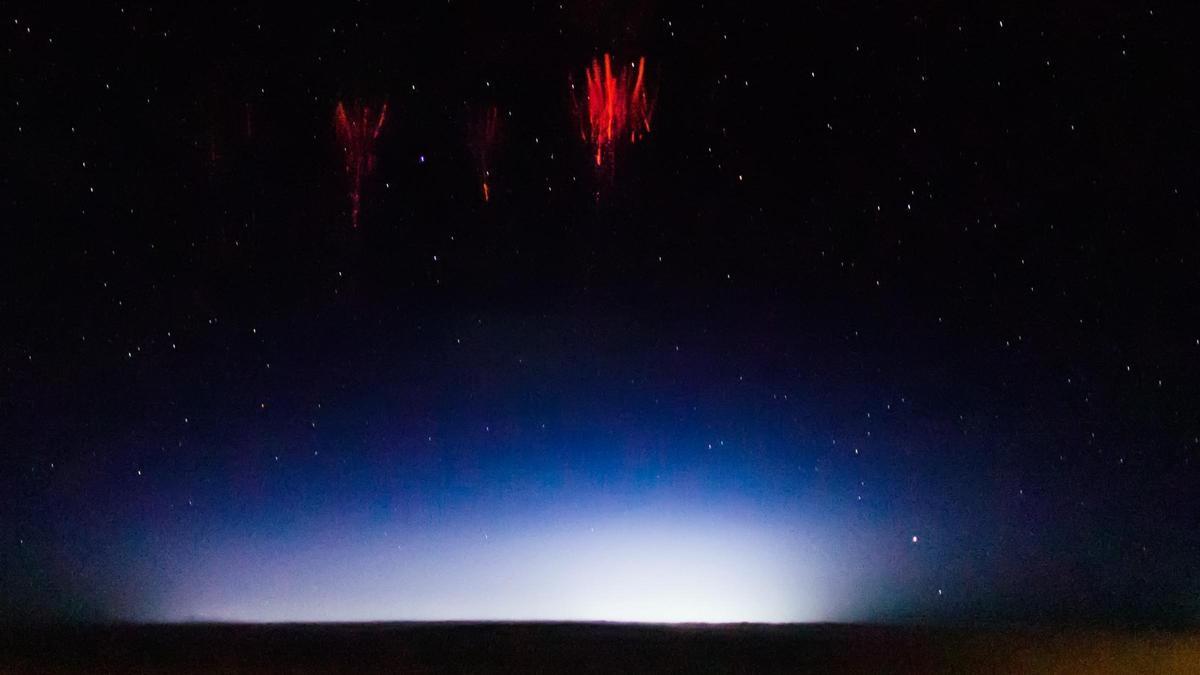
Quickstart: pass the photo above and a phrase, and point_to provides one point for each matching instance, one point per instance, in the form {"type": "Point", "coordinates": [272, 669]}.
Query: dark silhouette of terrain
{"type": "Point", "coordinates": [585, 647]}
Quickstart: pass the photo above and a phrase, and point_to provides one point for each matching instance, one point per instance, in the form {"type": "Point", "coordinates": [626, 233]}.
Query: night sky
{"type": "Point", "coordinates": [871, 313]}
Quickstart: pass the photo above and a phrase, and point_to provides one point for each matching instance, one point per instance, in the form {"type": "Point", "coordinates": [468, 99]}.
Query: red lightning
{"type": "Point", "coordinates": [616, 107]}
{"type": "Point", "coordinates": [484, 135]}
{"type": "Point", "coordinates": [357, 130]}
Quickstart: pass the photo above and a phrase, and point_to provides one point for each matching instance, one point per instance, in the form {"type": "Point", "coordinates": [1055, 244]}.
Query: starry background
{"type": "Point", "coordinates": [891, 316]}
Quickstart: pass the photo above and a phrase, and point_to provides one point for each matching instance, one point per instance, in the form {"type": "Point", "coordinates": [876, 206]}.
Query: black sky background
{"type": "Point", "coordinates": [990, 212]}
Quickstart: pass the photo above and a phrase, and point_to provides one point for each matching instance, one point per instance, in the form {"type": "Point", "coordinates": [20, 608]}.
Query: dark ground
{"type": "Point", "coordinates": [566, 647]}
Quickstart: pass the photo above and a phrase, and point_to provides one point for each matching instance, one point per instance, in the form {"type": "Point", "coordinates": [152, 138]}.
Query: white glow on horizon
{"type": "Point", "coordinates": [655, 572]}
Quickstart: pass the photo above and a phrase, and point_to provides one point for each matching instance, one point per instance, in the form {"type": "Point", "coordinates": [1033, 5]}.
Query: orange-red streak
{"type": "Point", "coordinates": [616, 106]}
{"type": "Point", "coordinates": [357, 132]}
